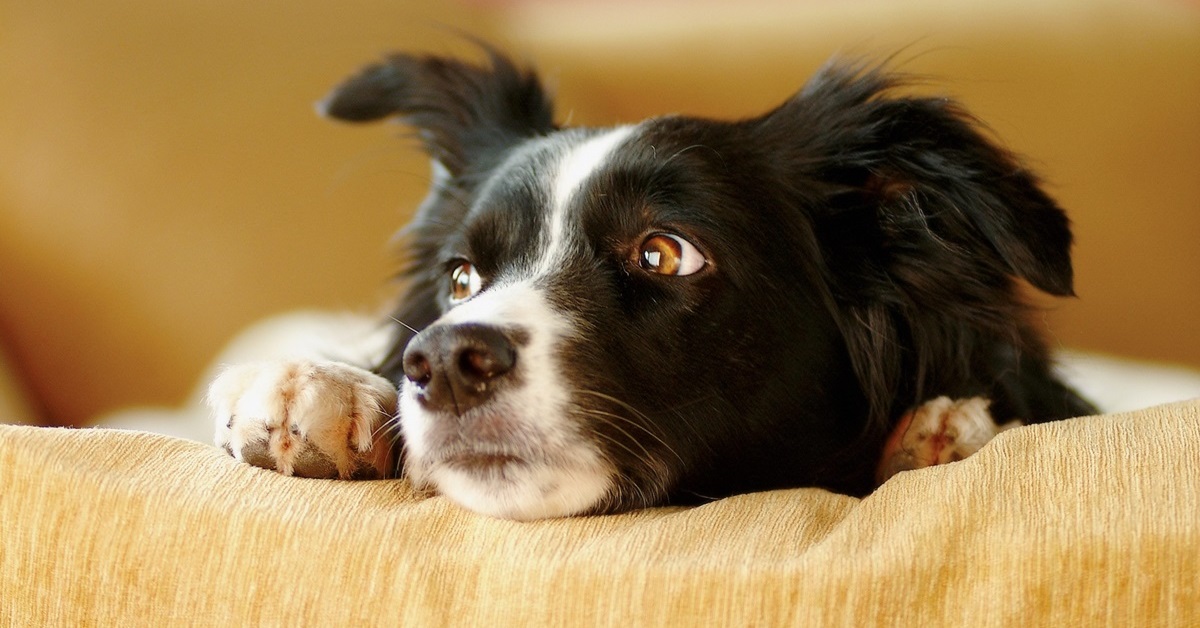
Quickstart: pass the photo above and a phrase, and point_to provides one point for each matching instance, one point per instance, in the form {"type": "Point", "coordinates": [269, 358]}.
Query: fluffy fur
{"type": "Point", "coordinates": [859, 253]}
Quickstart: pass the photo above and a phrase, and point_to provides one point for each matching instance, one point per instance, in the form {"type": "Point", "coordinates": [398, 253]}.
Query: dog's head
{"type": "Point", "coordinates": [610, 318]}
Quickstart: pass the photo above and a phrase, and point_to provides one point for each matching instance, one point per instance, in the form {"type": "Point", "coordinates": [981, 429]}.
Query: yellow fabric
{"type": "Point", "coordinates": [1093, 521]}
{"type": "Point", "coordinates": [160, 160]}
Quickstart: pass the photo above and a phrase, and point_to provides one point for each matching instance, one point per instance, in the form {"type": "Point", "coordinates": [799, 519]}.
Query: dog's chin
{"type": "Point", "coordinates": [531, 477]}
{"type": "Point", "coordinates": [511, 488]}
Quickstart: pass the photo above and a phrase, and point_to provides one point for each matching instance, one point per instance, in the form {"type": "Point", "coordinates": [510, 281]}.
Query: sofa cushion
{"type": "Point", "coordinates": [1086, 521]}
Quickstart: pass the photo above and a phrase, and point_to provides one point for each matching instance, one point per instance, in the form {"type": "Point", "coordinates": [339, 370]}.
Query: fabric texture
{"type": "Point", "coordinates": [1092, 521]}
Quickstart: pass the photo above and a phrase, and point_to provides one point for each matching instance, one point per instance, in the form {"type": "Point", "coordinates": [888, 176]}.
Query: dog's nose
{"type": "Point", "coordinates": [458, 367]}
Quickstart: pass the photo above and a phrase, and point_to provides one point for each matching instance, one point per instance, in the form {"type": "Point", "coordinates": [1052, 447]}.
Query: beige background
{"type": "Point", "coordinates": [164, 181]}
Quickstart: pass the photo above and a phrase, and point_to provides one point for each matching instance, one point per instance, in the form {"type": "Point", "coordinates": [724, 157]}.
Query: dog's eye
{"type": "Point", "coordinates": [666, 254]}
{"type": "Point", "coordinates": [464, 282]}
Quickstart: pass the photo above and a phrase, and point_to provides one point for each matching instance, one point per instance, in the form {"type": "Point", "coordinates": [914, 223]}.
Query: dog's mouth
{"type": "Point", "coordinates": [479, 463]}
{"type": "Point", "coordinates": [487, 445]}
{"type": "Point", "coordinates": [514, 457]}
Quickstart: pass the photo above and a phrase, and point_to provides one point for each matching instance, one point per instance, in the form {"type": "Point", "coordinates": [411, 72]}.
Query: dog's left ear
{"type": "Point", "coordinates": [920, 223]}
{"type": "Point", "coordinates": [463, 112]}
{"type": "Point", "coordinates": [915, 183]}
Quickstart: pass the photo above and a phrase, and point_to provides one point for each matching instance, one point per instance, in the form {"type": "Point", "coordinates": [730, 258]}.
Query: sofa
{"type": "Point", "coordinates": [1088, 522]}
{"type": "Point", "coordinates": [165, 184]}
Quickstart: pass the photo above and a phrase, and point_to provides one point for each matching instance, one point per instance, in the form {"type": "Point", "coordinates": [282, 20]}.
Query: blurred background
{"type": "Point", "coordinates": [164, 181]}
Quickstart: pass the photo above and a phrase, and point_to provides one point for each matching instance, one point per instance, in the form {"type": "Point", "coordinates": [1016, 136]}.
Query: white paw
{"type": "Point", "coordinates": [305, 418]}
{"type": "Point", "coordinates": [936, 432]}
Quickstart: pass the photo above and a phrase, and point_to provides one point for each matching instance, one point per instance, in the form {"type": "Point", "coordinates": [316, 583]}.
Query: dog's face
{"type": "Point", "coordinates": [597, 306]}
{"type": "Point", "coordinates": [610, 318]}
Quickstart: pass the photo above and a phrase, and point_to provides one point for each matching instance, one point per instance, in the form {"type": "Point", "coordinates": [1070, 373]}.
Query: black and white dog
{"type": "Point", "coordinates": [681, 309]}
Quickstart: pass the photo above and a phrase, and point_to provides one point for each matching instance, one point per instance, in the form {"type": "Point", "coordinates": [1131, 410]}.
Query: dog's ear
{"type": "Point", "coordinates": [917, 176]}
{"type": "Point", "coordinates": [463, 112]}
{"type": "Point", "coordinates": [920, 223]}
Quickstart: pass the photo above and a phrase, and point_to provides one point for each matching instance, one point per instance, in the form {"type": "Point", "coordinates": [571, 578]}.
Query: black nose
{"type": "Point", "coordinates": [458, 367]}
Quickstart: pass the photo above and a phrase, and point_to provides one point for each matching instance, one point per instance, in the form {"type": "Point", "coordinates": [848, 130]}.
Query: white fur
{"type": "Point", "coordinates": [507, 306]}
{"type": "Point", "coordinates": [296, 405]}
{"type": "Point", "coordinates": [580, 163]}
{"type": "Point", "coordinates": [574, 169]}
{"type": "Point", "coordinates": [570, 475]}
{"type": "Point", "coordinates": [577, 486]}
{"type": "Point", "coordinates": [940, 430]}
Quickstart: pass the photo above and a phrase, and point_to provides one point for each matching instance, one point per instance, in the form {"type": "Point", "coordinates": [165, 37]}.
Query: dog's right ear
{"type": "Point", "coordinates": [463, 112]}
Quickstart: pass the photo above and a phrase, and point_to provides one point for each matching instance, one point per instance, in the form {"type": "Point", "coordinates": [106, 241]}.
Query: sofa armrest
{"type": "Point", "coordinates": [1086, 521]}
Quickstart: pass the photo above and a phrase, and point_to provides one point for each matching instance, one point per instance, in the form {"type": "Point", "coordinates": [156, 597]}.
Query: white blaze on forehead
{"type": "Point", "coordinates": [576, 166]}
{"type": "Point", "coordinates": [582, 160]}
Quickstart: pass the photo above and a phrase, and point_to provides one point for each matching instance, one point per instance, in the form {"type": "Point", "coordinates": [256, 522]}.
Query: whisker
{"type": "Point", "coordinates": [385, 428]}
{"type": "Point", "coordinates": [680, 152]}
{"type": "Point", "coordinates": [686, 419]}
{"type": "Point", "coordinates": [390, 432]}
{"type": "Point", "coordinates": [599, 413]}
{"type": "Point", "coordinates": [619, 489]}
{"type": "Point", "coordinates": [637, 413]}
{"type": "Point", "coordinates": [692, 147]}
{"type": "Point", "coordinates": [404, 324]}
{"type": "Point", "coordinates": [697, 400]}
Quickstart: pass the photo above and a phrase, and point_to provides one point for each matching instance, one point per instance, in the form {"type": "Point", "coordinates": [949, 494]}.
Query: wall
{"type": "Point", "coordinates": [164, 181]}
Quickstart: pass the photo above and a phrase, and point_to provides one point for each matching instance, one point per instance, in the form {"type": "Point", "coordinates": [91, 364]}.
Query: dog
{"type": "Point", "coordinates": [682, 309]}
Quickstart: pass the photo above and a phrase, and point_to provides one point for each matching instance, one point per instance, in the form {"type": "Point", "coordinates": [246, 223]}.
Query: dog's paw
{"type": "Point", "coordinates": [936, 432]}
{"type": "Point", "coordinates": [310, 419]}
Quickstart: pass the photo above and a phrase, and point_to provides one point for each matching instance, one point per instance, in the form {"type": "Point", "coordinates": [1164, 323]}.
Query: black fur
{"type": "Point", "coordinates": [867, 251]}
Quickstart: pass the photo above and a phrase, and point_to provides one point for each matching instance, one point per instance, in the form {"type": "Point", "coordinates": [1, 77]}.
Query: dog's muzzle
{"type": "Point", "coordinates": [455, 368]}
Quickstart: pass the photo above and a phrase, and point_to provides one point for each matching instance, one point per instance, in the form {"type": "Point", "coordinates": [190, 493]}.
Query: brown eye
{"type": "Point", "coordinates": [464, 282]}
{"type": "Point", "coordinates": [666, 254]}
